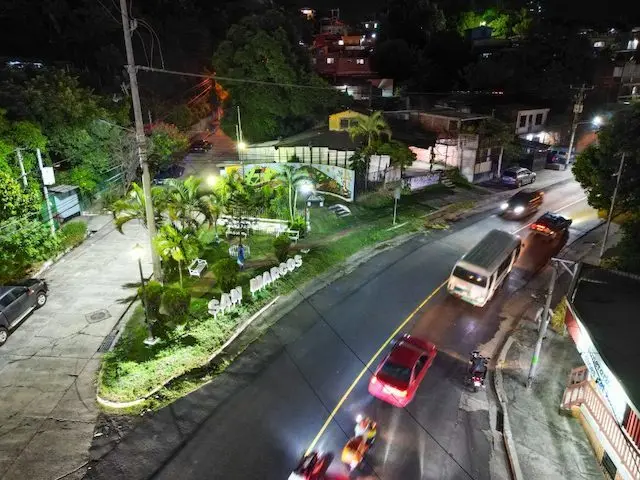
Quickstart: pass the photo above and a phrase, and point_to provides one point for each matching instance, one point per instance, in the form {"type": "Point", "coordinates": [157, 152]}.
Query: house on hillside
{"type": "Point", "coordinates": [604, 394]}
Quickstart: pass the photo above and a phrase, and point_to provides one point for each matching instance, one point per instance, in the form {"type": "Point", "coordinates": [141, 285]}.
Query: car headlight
{"type": "Point", "coordinates": [353, 464]}
{"type": "Point", "coordinates": [518, 209]}
{"type": "Point", "coordinates": [504, 206]}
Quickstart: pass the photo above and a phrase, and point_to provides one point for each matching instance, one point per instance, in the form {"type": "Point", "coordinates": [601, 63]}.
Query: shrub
{"type": "Point", "coordinates": [153, 296]}
{"type": "Point", "coordinates": [73, 233]}
{"type": "Point", "coordinates": [281, 245]}
{"type": "Point", "coordinates": [299, 224]}
{"type": "Point", "coordinates": [226, 272]}
{"type": "Point", "coordinates": [176, 302]}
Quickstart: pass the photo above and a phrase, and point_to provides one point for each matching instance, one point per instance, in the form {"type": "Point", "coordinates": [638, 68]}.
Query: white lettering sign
{"type": "Point", "coordinates": [234, 297]}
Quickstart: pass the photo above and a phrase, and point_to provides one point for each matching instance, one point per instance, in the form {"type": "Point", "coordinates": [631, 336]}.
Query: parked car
{"type": "Point", "coordinates": [557, 158]}
{"type": "Point", "coordinates": [518, 176]}
{"type": "Point", "coordinates": [397, 378]}
{"type": "Point", "coordinates": [200, 146]}
{"type": "Point", "coordinates": [173, 171]}
{"type": "Point", "coordinates": [523, 203]}
{"type": "Point", "coordinates": [18, 301]}
{"type": "Point", "coordinates": [551, 225]}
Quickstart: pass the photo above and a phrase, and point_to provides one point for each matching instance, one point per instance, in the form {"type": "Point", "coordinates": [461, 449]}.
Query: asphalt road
{"type": "Point", "coordinates": [262, 430]}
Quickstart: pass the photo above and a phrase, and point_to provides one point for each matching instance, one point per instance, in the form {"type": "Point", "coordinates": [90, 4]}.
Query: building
{"type": "Point", "coordinates": [604, 394]}
{"type": "Point", "coordinates": [457, 143]}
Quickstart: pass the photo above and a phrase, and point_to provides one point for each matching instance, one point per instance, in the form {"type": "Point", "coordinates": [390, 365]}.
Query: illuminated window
{"type": "Point", "coordinates": [360, 61]}
{"type": "Point", "coordinates": [331, 60]}
{"type": "Point", "coordinates": [340, 42]}
{"type": "Point", "coordinates": [598, 44]}
{"type": "Point", "coordinates": [375, 25]}
{"type": "Point", "coordinates": [366, 25]}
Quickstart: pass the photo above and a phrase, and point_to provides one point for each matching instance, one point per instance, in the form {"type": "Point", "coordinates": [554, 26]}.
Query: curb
{"type": "Point", "coordinates": [509, 444]}
{"type": "Point", "coordinates": [241, 328]}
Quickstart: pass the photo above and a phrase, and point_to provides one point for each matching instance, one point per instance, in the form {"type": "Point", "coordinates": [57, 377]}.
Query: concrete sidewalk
{"type": "Point", "coordinates": [548, 444]}
{"type": "Point", "coordinates": [48, 365]}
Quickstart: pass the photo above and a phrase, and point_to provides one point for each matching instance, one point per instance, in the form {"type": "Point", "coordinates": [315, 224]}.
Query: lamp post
{"type": "Point", "coordinates": [613, 203]}
{"type": "Point", "coordinates": [596, 121]}
{"type": "Point", "coordinates": [306, 188]}
{"type": "Point", "coordinates": [137, 252]}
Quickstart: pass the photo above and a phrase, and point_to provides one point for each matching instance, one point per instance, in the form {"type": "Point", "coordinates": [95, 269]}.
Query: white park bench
{"type": "Point", "coordinates": [197, 266]}
{"type": "Point", "coordinates": [294, 235]}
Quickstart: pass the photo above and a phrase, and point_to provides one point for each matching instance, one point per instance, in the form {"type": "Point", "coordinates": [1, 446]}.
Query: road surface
{"type": "Point", "coordinates": [262, 430]}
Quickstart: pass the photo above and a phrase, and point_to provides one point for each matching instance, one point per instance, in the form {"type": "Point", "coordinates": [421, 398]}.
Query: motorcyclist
{"type": "Point", "coordinates": [366, 428]}
{"type": "Point", "coordinates": [478, 365]}
{"type": "Point", "coordinates": [309, 467]}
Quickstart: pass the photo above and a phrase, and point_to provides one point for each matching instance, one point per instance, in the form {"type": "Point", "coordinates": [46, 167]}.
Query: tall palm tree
{"type": "Point", "coordinates": [187, 203]}
{"type": "Point", "coordinates": [371, 127]}
{"type": "Point", "coordinates": [291, 177]}
{"type": "Point", "coordinates": [173, 244]}
{"type": "Point", "coordinates": [133, 206]}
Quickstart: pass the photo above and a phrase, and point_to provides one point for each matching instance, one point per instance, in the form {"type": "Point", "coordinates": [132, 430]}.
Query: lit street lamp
{"type": "Point", "coordinates": [137, 252]}
{"type": "Point", "coordinates": [306, 188]}
{"type": "Point", "coordinates": [596, 121]}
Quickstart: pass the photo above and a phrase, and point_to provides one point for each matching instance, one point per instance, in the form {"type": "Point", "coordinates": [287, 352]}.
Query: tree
{"type": "Point", "coordinates": [170, 243]}
{"type": "Point", "coordinates": [187, 203]}
{"type": "Point", "coordinates": [165, 141]}
{"type": "Point", "coordinates": [291, 178]}
{"type": "Point", "coordinates": [265, 49]}
{"type": "Point", "coordinates": [132, 207]}
{"type": "Point", "coordinates": [371, 127]}
{"type": "Point", "coordinates": [596, 170]}
{"type": "Point", "coordinates": [399, 153]}
{"type": "Point", "coordinates": [412, 20]}
{"type": "Point", "coordinates": [14, 199]}
{"type": "Point", "coordinates": [394, 59]}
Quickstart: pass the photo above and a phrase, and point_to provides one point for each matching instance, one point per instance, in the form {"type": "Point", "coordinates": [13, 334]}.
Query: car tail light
{"type": "Point", "coordinates": [395, 392]}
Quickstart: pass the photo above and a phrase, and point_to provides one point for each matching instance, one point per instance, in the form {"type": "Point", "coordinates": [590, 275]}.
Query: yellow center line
{"type": "Point", "coordinates": [366, 368]}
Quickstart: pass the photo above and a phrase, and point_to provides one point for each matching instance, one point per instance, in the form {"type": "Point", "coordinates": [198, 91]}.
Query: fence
{"type": "Point", "coordinates": [422, 181]}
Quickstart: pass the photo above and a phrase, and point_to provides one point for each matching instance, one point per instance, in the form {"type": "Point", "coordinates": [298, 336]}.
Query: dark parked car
{"type": "Point", "coordinates": [523, 203]}
{"type": "Point", "coordinates": [200, 146]}
{"type": "Point", "coordinates": [551, 225]}
{"type": "Point", "coordinates": [517, 176]}
{"type": "Point", "coordinates": [17, 301]}
{"type": "Point", "coordinates": [173, 171]}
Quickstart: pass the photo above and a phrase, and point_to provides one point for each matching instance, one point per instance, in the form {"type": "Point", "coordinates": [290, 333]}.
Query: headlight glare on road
{"type": "Point", "coordinates": [504, 206]}
{"type": "Point", "coordinates": [519, 209]}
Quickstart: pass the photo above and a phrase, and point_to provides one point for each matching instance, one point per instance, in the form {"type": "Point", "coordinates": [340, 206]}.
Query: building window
{"type": "Point", "coordinates": [522, 122]}
{"type": "Point", "coordinates": [360, 61]}
{"type": "Point", "coordinates": [331, 60]}
{"type": "Point", "coordinates": [539, 119]}
{"type": "Point", "coordinates": [344, 123]}
{"type": "Point", "coordinates": [598, 44]}
{"type": "Point", "coordinates": [633, 44]}
{"type": "Point", "coordinates": [340, 42]}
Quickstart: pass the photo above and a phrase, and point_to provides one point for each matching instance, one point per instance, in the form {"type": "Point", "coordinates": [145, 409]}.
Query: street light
{"type": "Point", "coordinates": [596, 121]}
{"type": "Point", "coordinates": [307, 188]}
{"type": "Point", "coordinates": [137, 253]}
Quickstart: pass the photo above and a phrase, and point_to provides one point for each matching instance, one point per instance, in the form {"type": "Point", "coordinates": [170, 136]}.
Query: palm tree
{"type": "Point", "coordinates": [371, 127]}
{"type": "Point", "coordinates": [291, 178]}
{"type": "Point", "coordinates": [170, 243]}
{"type": "Point", "coordinates": [187, 203]}
{"type": "Point", "coordinates": [133, 206]}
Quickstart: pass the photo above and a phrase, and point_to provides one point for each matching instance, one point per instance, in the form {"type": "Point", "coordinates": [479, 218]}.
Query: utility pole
{"type": "Point", "coordinates": [578, 107]}
{"type": "Point", "coordinates": [140, 138]}
{"type": "Point", "coordinates": [45, 190]}
{"type": "Point", "coordinates": [611, 207]}
{"type": "Point", "coordinates": [572, 268]}
{"type": "Point", "coordinates": [23, 174]}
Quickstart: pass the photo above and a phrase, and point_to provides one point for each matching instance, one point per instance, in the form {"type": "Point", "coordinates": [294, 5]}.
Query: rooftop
{"type": "Point", "coordinates": [607, 303]}
{"type": "Point", "coordinates": [320, 137]}
{"type": "Point", "coordinates": [456, 114]}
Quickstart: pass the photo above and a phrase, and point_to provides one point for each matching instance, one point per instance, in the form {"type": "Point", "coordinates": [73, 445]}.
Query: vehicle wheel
{"type": "Point", "coordinates": [41, 299]}
{"type": "Point", "coordinates": [4, 334]}
{"type": "Point", "coordinates": [533, 180]}
{"type": "Point", "coordinates": [518, 184]}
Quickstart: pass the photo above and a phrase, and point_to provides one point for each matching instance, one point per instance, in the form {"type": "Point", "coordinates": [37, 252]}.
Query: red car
{"type": "Point", "coordinates": [400, 373]}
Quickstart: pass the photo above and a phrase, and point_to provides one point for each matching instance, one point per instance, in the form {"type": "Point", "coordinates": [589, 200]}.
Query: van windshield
{"type": "Point", "coordinates": [471, 277]}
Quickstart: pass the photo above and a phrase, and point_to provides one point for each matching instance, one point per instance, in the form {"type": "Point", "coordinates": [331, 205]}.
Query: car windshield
{"type": "Point", "coordinates": [469, 276]}
{"type": "Point", "coordinates": [509, 173]}
{"type": "Point", "coordinates": [396, 371]}
{"type": "Point", "coordinates": [520, 198]}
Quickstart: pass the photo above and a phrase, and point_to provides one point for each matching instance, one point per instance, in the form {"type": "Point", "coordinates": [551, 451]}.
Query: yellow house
{"type": "Point", "coordinates": [341, 121]}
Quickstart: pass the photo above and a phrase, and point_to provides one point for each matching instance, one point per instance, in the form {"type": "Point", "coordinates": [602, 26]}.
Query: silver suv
{"type": "Point", "coordinates": [517, 176]}
{"type": "Point", "coordinates": [18, 301]}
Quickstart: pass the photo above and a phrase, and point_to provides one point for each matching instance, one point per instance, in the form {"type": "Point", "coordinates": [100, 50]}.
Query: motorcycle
{"type": "Point", "coordinates": [477, 370]}
{"type": "Point", "coordinates": [358, 446]}
{"type": "Point", "coordinates": [312, 466]}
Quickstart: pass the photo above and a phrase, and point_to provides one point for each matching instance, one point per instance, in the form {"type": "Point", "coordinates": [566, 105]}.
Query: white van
{"type": "Point", "coordinates": [479, 273]}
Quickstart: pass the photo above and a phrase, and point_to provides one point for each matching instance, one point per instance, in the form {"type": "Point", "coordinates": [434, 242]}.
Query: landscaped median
{"type": "Point", "coordinates": [191, 346]}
